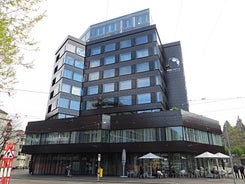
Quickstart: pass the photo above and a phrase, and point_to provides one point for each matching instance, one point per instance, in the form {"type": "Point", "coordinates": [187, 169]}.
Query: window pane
{"type": "Point", "coordinates": [94, 63]}
{"type": "Point", "coordinates": [125, 56]}
{"type": "Point", "coordinates": [110, 47]}
{"type": "Point", "coordinates": [64, 103]}
{"type": "Point", "coordinates": [81, 51]}
{"type": "Point", "coordinates": [143, 98]}
{"type": "Point", "coordinates": [67, 74]}
{"type": "Point", "coordinates": [93, 90]}
{"type": "Point", "coordinates": [125, 70]}
{"type": "Point", "coordinates": [142, 67]}
{"type": "Point", "coordinates": [174, 133]}
{"type": "Point", "coordinates": [125, 100]}
{"type": "Point", "coordinates": [159, 97]}
{"type": "Point", "coordinates": [93, 76]}
{"type": "Point", "coordinates": [141, 39]}
{"type": "Point", "coordinates": [74, 105]}
{"type": "Point", "coordinates": [95, 51]}
{"type": "Point", "coordinates": [76, 90]}
{"type": "Point", "coordinates": [70, 47]}
{"type": "Point", "coordinates": [69, 60]}
{"type": "Point", "coordinates": [78, 77]}
{"type": "Point", "coordinates": [123, 85]}
{"type": "Point", "coordinates": [65, 88]}
{"type": "Point", "coordinates": [127, 23]}
{"type": "Point", "coordinates": [108, 87]}
{"type": "Point", "coordinates": [79, 64]}
{"type": "Point", "coordinates": [109, 73]}
{"type": "Point", "coordinates": [109, 60]}
{"type": "Point", "coordinates": [142, 19]}
{"type": "Point", "coordinates": [143, 82]}
{"type": "Point", "coordinates": [125, 44]}
{"type": "Point", "coordinates": [91, 105]}
{"type": "Point", "coordinates": [142, 53]}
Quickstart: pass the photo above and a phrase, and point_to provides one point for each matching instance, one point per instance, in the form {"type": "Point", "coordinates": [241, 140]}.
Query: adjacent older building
{"type": "Point", "coordinates": [119, 87]}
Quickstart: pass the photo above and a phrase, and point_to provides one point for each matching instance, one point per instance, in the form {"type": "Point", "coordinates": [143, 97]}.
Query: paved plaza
{"type": "Point", "coordinates": [22, 177]}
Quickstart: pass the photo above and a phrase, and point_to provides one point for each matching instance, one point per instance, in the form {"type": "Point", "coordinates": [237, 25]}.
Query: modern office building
{"type": "Point", "coordinates": [119, 87]}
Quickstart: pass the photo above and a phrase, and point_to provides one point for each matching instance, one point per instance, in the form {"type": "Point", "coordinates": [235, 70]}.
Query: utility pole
{"type": "Point", "coordinates": [229, 150]}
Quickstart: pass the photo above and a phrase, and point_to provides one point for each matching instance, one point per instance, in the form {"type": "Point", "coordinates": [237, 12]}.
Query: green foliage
{"type": "Point", "coordinates": [17, 18]}
{"type": "Point", "coordinates": [236, 138]}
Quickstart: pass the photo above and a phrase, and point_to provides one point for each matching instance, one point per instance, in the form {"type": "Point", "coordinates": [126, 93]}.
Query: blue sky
{"type": "Point", "coordinates": [211, 34]}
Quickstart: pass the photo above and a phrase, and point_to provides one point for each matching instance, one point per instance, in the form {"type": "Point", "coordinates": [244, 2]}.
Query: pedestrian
{"type": "Point", "coordinates": [235, 168]}
{"type": "Point", "coordinates": [241, 169]}
{"type": "Point", "coordinates": [141, 172]}
{"type": "Point", "coordinates": [68, 170]}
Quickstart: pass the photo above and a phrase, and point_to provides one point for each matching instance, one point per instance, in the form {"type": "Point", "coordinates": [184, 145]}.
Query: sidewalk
{"type": "Point", "coordinates": [22, 177]}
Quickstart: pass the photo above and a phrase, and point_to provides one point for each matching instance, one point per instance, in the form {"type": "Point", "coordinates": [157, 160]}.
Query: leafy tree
{"type": "Point", "coordinates": [17, 18]}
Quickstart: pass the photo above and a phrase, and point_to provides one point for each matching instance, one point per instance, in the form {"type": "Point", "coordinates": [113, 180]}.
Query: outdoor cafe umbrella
{"type": "Point", "coordinates": [208, 156]}
{"type": "Point", "coordinates": [221, 155]}
{"type": "Point", "coordinates": [150, 156]}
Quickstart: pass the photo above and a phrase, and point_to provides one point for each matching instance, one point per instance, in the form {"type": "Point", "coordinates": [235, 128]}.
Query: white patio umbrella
{"type": "Point", "coordinates": [150, 156]}
{"type": "Point", "coordinates": [208, 156]}
{"type": "Point", "coordinates": [221, 155]}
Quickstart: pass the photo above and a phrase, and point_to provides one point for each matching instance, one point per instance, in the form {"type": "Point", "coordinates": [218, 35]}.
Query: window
{"type": "Point", "coordinates": [108, 87]}
{"type": "Point", "coordinates": [158, 80]}
{"type": "Point", "coordinates": [70, 47]}
{"type": "Point", "coordinates": [93, 76]}
{"type": "Point", "coordinates": [124, 85]}
{"type": "Point", "coordinates": [80, 51]}
{"type": "Point", "coordinates": [110, 47]}
{"type": "Point", "coordinates": [95, 51]}
{"type": "Point", "coordinates": [109, 60]}
{"type": "Point", "coordinates": [143, 82]}
{"type": "Point", "coordinates": [141, 39]}
{"type": "Point", "coordinates": [109, 73]}
{"type": "Point", "coordinates": [90, 105]}
{"type": "Point", "coordinates": [67, 74]}
{"type": "Point", "coordinates": [78, 77]}
{"type": "Point", "coordinates": [142, 67]}
{"type": "Point", "coordinates": [142, 19]}
{"type": "Point", "coordinates": [79, 64]}
{"type": "Point", "coordinates": [65, 88]}
{"type": "Point", "coordinates": [76, 90]}
{"type": "Point", "coordinates": [142, 53]}
{"type": "Point", "coordinates": [144, 98]}
{"type": "Point", "coordinates": [125, 44]}
{"type": "Point", "coordinates": [74, 105]}
{"type": "Point", "coordinates": [127, 23]}
{"type": "Point", "coordinates": [64, 103]}
{"type": "Point", "coordinates": [69, 60]}
{"type": "Point", "coordinates": [125, 100]}
{"type": "Point", "coordinates": [125, 70]}
{"type": "Point", "coordinates": [174, 134]}
{"type": "Point", "coordinates": [94, 63]}
{"type": "Point", "coordinates": [93, 90]}
{"type": "Point", "coordinates": [159, 97]}
{"type": "Point", "coordinates": [125, 56]}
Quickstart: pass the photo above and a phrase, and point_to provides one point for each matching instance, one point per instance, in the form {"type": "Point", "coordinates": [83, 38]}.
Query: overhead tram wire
{"type": "Point", "coordinates": [213, 100]}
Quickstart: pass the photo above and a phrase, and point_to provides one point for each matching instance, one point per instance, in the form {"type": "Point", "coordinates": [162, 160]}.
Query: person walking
{"type": "Point", "coordinates": [141, 172]}
{"type": "Point", "coordinates": [241, 169]}
{"type": "Point", "coordinates": [236, 170]}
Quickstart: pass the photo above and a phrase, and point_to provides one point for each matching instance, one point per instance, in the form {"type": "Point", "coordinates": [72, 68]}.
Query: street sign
{"type": "Point", "coordinates": [8, 155]}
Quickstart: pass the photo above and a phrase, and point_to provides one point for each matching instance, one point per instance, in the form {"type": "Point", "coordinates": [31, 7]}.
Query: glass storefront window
{"type": "Point", "coordinates": [174, 134]}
